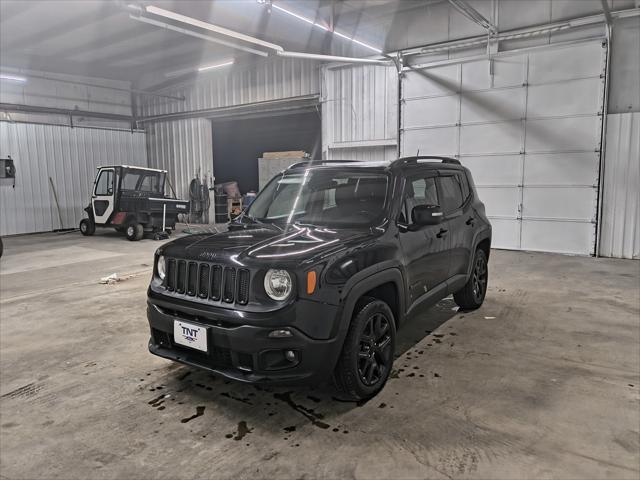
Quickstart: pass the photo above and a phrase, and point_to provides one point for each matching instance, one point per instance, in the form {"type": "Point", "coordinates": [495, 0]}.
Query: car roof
{"type": "Point", "coordinates": [402, 164]}
{"type": "Point", "coordinates": [133, 167]}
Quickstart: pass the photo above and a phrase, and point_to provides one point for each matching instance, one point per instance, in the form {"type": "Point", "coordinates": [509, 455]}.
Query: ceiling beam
{"type": "Point", "coordinates": [607, 13]}
{"type": "Point", "coordinates": [334, 58]}
{"type": "Point", "coordinates": [14, 107]}
{"type": "Point", "coordinates": [475, 16]}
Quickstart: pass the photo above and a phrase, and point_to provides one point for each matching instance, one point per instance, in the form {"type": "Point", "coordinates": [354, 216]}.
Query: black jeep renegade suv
{"type": "Point", "coordinates": [314, 278]}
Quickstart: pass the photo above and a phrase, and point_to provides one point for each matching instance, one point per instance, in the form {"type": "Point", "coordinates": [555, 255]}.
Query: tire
{"type": "Point", "coordinates": [471, 296]}
{"type": "Point", "coordinates": [87, 227]}
{"type": "Point", "coordinates": [134, 231]}
{"type": "Point", "coordinates": [366, 359]}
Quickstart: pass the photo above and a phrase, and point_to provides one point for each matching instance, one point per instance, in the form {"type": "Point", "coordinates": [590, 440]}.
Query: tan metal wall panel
{"type": "Point", "coordinates": [620, 229]}
{"type": "Point", "coordinates": [70, 157]}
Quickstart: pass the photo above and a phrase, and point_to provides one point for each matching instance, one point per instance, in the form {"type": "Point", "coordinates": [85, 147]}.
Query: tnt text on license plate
{"type": "Point", "coordinates": [190, 335]}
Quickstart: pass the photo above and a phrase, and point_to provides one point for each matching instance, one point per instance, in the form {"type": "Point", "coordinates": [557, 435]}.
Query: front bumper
{"type": "Point", "coordinates": [245, 352]}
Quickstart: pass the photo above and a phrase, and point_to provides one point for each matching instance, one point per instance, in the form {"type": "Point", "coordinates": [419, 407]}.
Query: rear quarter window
{"type": "Point", "coordinates": [450, 193]}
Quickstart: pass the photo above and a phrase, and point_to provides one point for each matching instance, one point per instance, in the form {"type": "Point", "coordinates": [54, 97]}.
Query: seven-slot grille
{"type": "Point", "coordinates": [207, 281]}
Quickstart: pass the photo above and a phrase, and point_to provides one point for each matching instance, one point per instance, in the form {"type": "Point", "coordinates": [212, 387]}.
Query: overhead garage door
{"type": "Point", "coordinates": [528, 126]}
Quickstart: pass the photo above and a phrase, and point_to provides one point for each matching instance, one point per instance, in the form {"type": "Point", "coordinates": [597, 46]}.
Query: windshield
{"type": "Point", "coordinates": [143, 181]}
{"type": "Point", "coordinates": [322, 197]}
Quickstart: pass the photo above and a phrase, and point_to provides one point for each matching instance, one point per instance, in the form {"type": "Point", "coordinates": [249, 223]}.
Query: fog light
{"type": "Point", "coordinates": [290, 355]}
{"type": "Point", "coordinates": [284, 333]}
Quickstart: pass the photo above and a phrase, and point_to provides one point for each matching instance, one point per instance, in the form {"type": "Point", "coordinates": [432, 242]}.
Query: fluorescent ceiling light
{"type": "Point", "coordinates": [209, 26]}
{"type": "Point", "coordinates": [202, 68]}
{"type": "Point", "coordinates": [315, 24]}
{"type": "Point", "coordinates": [217, 65]}
{"type": "Point", "coordinates": [299, 17]}
{"type": "Point", "coordinates": [12, 78]}
{"type": "Point", "coordinates": [191, 33]}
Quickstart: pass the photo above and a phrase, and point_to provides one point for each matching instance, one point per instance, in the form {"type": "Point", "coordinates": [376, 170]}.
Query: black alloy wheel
{"type": "Point", "coordinates": [366, 359]}
{"type": "Point", "coordinates": [375, 355]}
{"type": "Point", "coordinates": [471, 296]}
{"type": "Point", "coordinates": [479, 278]}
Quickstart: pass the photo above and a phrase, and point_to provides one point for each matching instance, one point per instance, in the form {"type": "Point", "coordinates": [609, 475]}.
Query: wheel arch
{"type": "Point", "coordinates": [386, 285]}
{"type": "Point", "coordinates": [482, 239]}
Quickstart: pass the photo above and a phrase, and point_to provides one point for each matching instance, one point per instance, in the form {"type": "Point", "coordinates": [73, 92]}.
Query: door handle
{"type": "Point", "coordinates": [470, 221]}
{"type": "Point", "coordinates": [441, 233]}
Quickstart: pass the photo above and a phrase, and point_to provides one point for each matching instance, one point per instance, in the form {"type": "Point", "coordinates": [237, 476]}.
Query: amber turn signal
{"type": "Point", "coordinates": [311, 282]}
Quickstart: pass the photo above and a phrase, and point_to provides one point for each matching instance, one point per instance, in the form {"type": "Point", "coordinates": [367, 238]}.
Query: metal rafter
{"type": "Point", "coordinates": [607, 13]}
{"type": "Point", "coordinates": [472, 14]}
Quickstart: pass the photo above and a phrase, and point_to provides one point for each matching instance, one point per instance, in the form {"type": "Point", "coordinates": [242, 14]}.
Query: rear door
{"type": "Point", "coordinates": [425, 251]}
{"type": "Point", "coordinates": [458, 217]}
{"type": "Point", "coordinates": [103, 198]}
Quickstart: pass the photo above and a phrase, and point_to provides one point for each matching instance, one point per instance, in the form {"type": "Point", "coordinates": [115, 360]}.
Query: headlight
{"type": "Point", "coordinates": [277, 284]}
{"type": "Point", "coordinates": [161, 267]}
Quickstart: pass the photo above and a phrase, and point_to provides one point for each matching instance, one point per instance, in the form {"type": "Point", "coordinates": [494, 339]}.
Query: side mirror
{"type": "Point", "coordinates": [426, 215]}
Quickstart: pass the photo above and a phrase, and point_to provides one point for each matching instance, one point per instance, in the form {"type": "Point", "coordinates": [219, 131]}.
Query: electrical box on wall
{"type": "Point", "coordinates": [7, 172]}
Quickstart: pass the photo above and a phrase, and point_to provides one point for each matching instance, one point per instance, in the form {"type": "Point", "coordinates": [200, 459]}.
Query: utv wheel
{"type": "Point", "coordinates": [87, 227]}
{"type": "Point", "coordinates": [134, 231]}
{"type": "Point", "coordinates": [367, 355]}
{"type": "Point", "coordinates": [472, 294]}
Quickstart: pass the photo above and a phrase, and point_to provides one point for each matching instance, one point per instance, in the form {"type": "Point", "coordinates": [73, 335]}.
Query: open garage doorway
{"type": "Point", "coordinates": [239, 143]}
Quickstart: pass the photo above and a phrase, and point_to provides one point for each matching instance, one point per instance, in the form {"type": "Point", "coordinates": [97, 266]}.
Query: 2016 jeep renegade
{"type": "Point", "coordinates": [314, 278]}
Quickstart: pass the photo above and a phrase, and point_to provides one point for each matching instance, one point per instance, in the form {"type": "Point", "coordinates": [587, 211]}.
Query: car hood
{"type": "Point", "coordinates": [295, 244]}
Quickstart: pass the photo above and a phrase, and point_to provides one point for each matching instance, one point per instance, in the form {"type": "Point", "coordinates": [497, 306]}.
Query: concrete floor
{"type": "Point", "coordinates": [541, 382]}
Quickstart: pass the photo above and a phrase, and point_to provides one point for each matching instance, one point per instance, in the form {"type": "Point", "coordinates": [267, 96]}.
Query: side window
{"type": "Point", "coordinates": [464, 185]}
{"type": "Point", "coordinates": [104, 185]}
{"type": "Point", "coordinates": [450, 193]}
{"type": "Point", "coordinates": [420, 191]}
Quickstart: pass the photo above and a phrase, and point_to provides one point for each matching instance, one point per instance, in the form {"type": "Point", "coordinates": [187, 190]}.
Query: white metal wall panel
{"type": "Point", "coordinates": [69, 156]}
{"type": "Point", "coordinates": [528, 125]}
{"type": "Point", "coordinates": [620, 229]}
{"type": "Point", "coordinates": [184, 148]}
{"type": "Point", "coordinates": [359, 112]}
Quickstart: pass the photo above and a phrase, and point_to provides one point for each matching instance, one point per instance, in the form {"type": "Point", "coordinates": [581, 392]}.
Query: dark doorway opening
{"type": "Point", "coordinates": [237, 144]}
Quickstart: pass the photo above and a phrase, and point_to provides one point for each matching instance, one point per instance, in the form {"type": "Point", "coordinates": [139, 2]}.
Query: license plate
{"type": "Point", "coordinates": [190, 335]}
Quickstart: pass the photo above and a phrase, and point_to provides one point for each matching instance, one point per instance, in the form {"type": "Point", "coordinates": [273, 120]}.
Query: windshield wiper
{"type": "Point", "coordinates": [301, 224]}
{"type": "Point", "coordinates": [256, 221]}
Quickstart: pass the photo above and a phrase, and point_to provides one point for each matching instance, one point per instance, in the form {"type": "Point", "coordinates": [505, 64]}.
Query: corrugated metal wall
{"type": "Point", "coordinates": [359, 112]}
{"type": "Point", "coordinates": [52, 90]}
{"type": "Point", "coordinates": [184, 148]}
{"type": "Point", "coordinates": [620, 229]}
{"type": "Point", "coordinates": [265, 80]}
{"type": "Point", "coordinates": [69, 156]}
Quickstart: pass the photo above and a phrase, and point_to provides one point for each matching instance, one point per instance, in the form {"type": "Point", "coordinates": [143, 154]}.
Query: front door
{"type": "Point", "coordinates": [425, 250]}
{"type": "Point", "coordinates": [103, 199]}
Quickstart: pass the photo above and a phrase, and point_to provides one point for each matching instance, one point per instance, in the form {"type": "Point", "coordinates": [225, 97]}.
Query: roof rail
{"type": "Point", "coordinates": [310, 163]}
{"type": "Point", "coordinates": [417, 158]}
